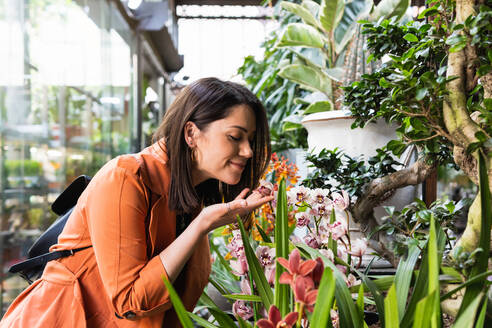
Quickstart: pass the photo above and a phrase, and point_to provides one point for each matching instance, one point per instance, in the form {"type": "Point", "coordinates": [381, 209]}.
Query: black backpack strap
{"type": "Point", "coordinates": [41, 260]}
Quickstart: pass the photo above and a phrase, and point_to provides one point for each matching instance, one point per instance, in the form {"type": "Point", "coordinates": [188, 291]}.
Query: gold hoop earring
{"type": "Point", "coordinates": [192, 154]}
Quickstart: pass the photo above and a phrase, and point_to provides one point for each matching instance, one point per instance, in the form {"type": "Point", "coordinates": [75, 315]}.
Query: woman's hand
{"type": "Point", "coordinates": [217, 215]}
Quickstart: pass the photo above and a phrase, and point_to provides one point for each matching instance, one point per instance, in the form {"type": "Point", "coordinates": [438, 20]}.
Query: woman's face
{"type": "Point", "coordinates": [223, 148]}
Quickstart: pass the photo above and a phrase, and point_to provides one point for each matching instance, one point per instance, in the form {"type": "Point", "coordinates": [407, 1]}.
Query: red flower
{"type": "Point", "coordinates": [275, 319]}
{"type": "Point", "coordinates": [317, 271]}
{"type": "Point", "coordinates": [296, 268]}
{"type": "Point", "coordinates": [305, 297]}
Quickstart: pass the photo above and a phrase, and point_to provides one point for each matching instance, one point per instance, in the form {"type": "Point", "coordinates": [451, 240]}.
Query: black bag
{"type": "Point", "coordinates": [38, 255]}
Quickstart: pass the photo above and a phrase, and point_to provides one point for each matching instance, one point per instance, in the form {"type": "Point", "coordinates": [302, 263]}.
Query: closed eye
{"type": "Point", "coordinates": [234, 138]}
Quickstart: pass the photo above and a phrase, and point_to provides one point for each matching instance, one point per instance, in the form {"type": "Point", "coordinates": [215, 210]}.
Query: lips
{"type": "Point", "coordinates": [238, 165]}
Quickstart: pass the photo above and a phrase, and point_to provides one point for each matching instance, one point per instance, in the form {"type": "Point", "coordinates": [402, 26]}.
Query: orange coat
{"type": "Point", "coordinates": [118, 281]}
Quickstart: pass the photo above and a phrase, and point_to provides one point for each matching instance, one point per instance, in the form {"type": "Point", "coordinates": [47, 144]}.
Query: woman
{"type": "Point", "coordinates": [145, 217]}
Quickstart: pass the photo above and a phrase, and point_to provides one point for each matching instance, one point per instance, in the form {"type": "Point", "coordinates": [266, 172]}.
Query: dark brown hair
{"type": "Point", "coordinates": [203, 102]}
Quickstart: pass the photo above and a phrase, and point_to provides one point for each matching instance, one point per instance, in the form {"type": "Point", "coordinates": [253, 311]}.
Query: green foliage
{"type": "Point", "coordinates": [282, 292]}
{"type": "Point", "coordinates": [409, 227]}
{"type": "Point", "coordinates": [335, 170]}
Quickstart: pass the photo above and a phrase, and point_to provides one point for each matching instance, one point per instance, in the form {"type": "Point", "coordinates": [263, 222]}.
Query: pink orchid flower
{"type": "Point", "coordinates": [304, 295]}
{"type": "Point", "coordinates": [296, 268]}
{"type": "Point", "coordinates": [342, 201]}
{"type": "Point", "coordinates": [302, 219]}
{"type": "Point", "coordinates": [266, 256]}
{"type": "Point", "coordinates": [241, 309]}
{"type": "Point", "coordinates": [266, 188]}
{"type": "Point", "coordinates": [275, 319]}
{"type": "Point", "coordinates": [359, 247]}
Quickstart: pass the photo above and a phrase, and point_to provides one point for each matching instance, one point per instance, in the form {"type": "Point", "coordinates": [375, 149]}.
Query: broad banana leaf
{"type": "Point", "coordinates": [344, 31]}
{"type": "Point", "coordinates": [331, 13]}
{"type": "Point", "coordinates": [390, 8]}
{"type": "Point", "coordinates": [308, 78]}
{"type": "Point", "coordinates": [306, 16]}
{"type": "Point", "coordinates": [299, 34]}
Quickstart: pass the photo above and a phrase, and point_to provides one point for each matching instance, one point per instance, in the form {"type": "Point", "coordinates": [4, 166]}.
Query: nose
{"type": "Point", "coordinates": [245, 150]}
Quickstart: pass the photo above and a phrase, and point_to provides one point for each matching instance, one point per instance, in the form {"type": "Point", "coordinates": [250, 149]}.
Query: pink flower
{"type": "Point", "coordinates": [359, 247]}
{"type": "Point", "coordinates": [275, 319]}
{"type": "Point", "coordinates": [341, 268]}
{"type": "Point", "coordinates": [351, 280]}
{"type": "Point", "coordinates": [338, 229]}
{"type": "Point", "coordinates": [334, 318]}
{"type": "Point", "coordinates": [265, 188]}
{"type": "Point", "coordinates": [312, 240]}
{"type": "Point", "coordinates": [301, 194]}
{"type": "Point", "coordinates": [241, 309]}
{"type": "Point", "coordinates": [266, 255]}
{"type": "Point", "coordinates": [296, 269]}
{"type": "Point", "coordinates": [328, 253]}
{"type": "Point", "coordinates": [321, 210]}
{"type": "Point", "coordinates": [304, 295]}
{"type": "Point", "coordinates": [302, 219]}
{"type": "Point", "coordinates": [245, 287]}
{"type": "Point", "coordinates": [270, 275]}
{"type": "Point", "coordinates": [342, 201]}
{"type": "Point", "coordinates": [319, 196]}
{"type": "Point", "coordinates": [240, 266]}
{"type": "Point", "coordinates": [236, 246]}
{"type": "Point", "coordinates": [317, 272]}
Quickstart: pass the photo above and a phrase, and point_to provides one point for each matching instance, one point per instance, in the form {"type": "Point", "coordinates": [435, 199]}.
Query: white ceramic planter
{"type": "Point", "coordinates": [332, 130]}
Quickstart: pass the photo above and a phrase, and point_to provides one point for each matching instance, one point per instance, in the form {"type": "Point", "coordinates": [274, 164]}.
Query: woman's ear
{"type": "Point", "coordinates": [190, 133]}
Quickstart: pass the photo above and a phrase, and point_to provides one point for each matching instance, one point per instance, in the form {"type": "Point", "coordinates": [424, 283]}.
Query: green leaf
{"type": "Point", "coordinates": [263, 235]}
{"type": "Point", "coordinates": [434, 264]}
{"type": "Point", "coordinates": [481, 316]}
{"type": "Point", "coordinates": [282, 292]}
{"type": "Point", "coordinates": [466, 318]}
{"type": "Point", "coordinates": [480, 265]}
{"type": "Point", "coordinates": [243, 297]}
{"type": "Point", "coordinates": [360, 302]}
{"type": "Point", "coordinates": [319, 106]}
{"type": "Point", "coordinates": [331, 13]}
{"type": "Point", "coordinates": [457, 47]}
{"type": "Point", "coordinates": [390, 8]}
{"type": "Point", "coordinates": [403, 278]}
{"type": "Point", "coordinates": [324, 301]}
{"type": "Point", "coordinates": [353, 12]}
{"type": "Point", "coordinates": [222, 318]}
{"type": "Point", "coordinates": [178, 305]}
{"type": "Point", "coordinates": [202, 322]}
{"type": "Point", "coordinates": [336, 73]}
{"type": "Point", "coordinates": [421, 93]}
{"type": "Point", "coordinates": [302, 35]}
{"type": "Point", "coordinates": [308, 78]}
{"type": "Point", "coordinates": [410, 37]}
{"type": "Point", "coordinates": [391, 309]}
{"type": "Point", "coordinates": [302, 12]}
{"type": "Point", "coordinates": [424, 311]}
{"type": "Point", "coordinates": [264, 289]}
{"type": "Point", "coordinates": [290, 126]}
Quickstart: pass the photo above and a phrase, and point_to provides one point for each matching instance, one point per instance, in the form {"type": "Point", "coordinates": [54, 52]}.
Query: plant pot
{"type": "Point", "coordinates": [332, 130]}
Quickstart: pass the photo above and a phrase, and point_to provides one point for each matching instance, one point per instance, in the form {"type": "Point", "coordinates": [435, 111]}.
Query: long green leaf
{"type": "Point", "coordinates": [403, 278]}
{"type": "Point", "coordinates": [264, 289]}
{"type": "Point", "coordinates": [466, 319]}
{"type": "Point", "coordinates": [224, 320]}
{"type": "Point", "coordinates": [434, 264]}
{"type": "Point", "coordinates": [324, 301]}
{"type": "Point", "coordinates": [482, 276]}
{"type": "Point", "coordinates": [481, 317]}
{"type": "Point", "coordinates": [390, 8]}
{"type": "Point", "coordinates": [202, 322]}
{"type": "Point", "coordinates": [178, 305]}
{"type": "Point", "coordinates": [391, 319]}
{"type": "Point", "coordinates": [263, 235]}
{"type": "Point", "coordinates": [282, 291]}
{"type": "Point", "coordinates": [301, 35]}
{"type": "Point", "coordinates": [360, 302]}
{"type": "Point", "coordinates": [302, 12]}
{"type": "Point", "coordinates": [424, 311]}
{"type": "Point", "coordinates": [420, 289]}
{"type": "Point", "coordinates": [250, 298]}
{"type": "Point", "coordinates": [331, 13]}
{"type": "Point", "coordinates": [481, 264]}
{"type": "Point", "coordinates": [308, 78]}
